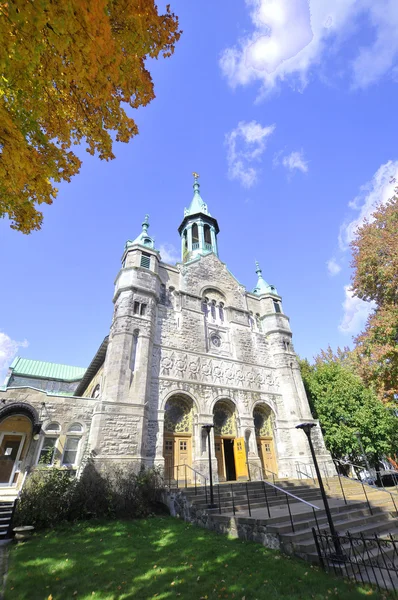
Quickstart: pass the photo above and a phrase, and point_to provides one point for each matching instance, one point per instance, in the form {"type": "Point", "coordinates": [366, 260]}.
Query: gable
{"type": "Point", "coordinates": [208, 272]}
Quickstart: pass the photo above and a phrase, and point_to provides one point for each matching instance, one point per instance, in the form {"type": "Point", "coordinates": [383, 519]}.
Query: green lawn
{"type": "Point", "coordinates": [160, 558]}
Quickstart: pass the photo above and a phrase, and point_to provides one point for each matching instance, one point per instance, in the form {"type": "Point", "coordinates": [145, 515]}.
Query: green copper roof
{"type": "Point", "coordinates": [46, 370]}
{"type": "Point", "coordinates": [143, 238]}
{"type": "Point", "coordinates": [197, 205]}
{"type": "Point", "coordinates": [262, 286]}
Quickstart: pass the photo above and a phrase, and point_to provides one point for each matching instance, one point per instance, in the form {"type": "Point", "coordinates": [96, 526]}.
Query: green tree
{"type": "Point", "coordinates": [344, 406]}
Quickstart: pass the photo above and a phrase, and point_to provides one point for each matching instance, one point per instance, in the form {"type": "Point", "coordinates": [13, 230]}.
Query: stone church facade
{"type": "Point", "coordinates": [188, 346]}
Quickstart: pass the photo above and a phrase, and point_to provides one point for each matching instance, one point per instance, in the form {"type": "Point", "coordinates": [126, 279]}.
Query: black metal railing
{"type": "Point", "coordinates": [271, 493]}
{"type": "Point", "coordinates": [367, 488]}
{"type": "Point", "coordinates": [372, 560]}
{"type": "Point", "coordinates": [192, 480]}
{"type": "Point", "coordinates": [261, 471]}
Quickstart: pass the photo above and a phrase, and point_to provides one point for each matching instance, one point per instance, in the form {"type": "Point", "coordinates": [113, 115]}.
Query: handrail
{"type": "Point", "coordinates": [261, 469]}
{"type": "Point", "coordinates": [363, 484]}
{"type": "Point", "coordinates": [196, 473]}
{"type": "Point", "coordinates": [292, 495]}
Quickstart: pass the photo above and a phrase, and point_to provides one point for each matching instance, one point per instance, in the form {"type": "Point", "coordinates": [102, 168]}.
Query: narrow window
{"type": "Point", "coordinates": [145, 260]}
{"type": "Point", "coordinates": [96, 391]}
{"type": "Point", "coordinates": [47, 451]}
{"type": "Point", "coordinates": [133, 353]}
{"type": "Point", "coordinates": [136, 308]}
{"type": "Point", "coordinates": [143, 310]}
{"type": "Point", "coordinates": [213, 309]}
{"type": "Point", "coordinates": [162, 299]}
{"type": "Point", "coordinates": [277, 306]}
{"type": "Point", "coordinates": [205, 308]}
{"type": "Point", "coordinates": [221, 311]}
{"type": "Point", "coordinates": [207, 234]}
{"type": "Point", "coordinates": [70, 453]}
{"type": "Point", "coordinates": [195, 235]}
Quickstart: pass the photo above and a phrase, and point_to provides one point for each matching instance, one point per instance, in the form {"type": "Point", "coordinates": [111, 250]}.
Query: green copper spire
{"type": "Point", "coordinates": [143, 238]}
{"type": "Point", "coordinates": [197, 205]}
{"type": "Point", "coordinates": [262, 286]}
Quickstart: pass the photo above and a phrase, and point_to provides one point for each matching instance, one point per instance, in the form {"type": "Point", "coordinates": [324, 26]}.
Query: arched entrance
{"type": "Point", "coordinates": [262, 415]}
{"type": "Point", "coordinates": [15, 438]}
{"type": "Point", "coordinates": [229, 450]}
{"type": "Point", "coordinates": [177, 445]}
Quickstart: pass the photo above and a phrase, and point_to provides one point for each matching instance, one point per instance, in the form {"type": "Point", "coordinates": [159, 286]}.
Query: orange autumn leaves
{"type": "Point", "coordinates": [375, 263]}
{"type": "Point", "coordinates": [66, 70]}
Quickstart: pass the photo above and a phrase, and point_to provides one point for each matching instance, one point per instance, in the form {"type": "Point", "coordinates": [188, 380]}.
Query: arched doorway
{"type": "Point", "coordinates": [229, 450]}
{"type": "Point", "coordinates": [177, 445]}
{"type": "Point", "coordinates": [15, 438]}
{"type": "Point", "coordinates": [262, 416]}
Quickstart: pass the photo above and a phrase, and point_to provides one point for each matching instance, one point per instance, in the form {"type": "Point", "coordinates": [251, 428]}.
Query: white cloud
{"type": "Point", "coordinates": [356, 312]}
{"type": "Point", "coordinates": [245, 146]}
{"type": "Point", "coordinates": [377, 191]}
{"type": "Point", "coordinates": [295, 160]}
{"type": "Point", "coordinates": [8, 350]}
{"type": "Point", "coordinates": [169, 254]}
{"type": "Point", "coordinates": [333, 267]}
{"type": "Point", "coordinates": [291, 37]}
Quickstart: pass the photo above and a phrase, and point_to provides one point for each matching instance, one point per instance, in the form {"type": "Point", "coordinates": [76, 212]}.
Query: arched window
{"type": "Point", "coordinates": [75, 428]}
{"type": "Point", "coordinates": [207, 234]}
{"type": "Point", "coordinates": [213, 309]}
{"type": "Point", "coordinates": [96, 391]}
{"type": "Point", "coordinates": [205, 307]}
{"type": "Point", "coordinates": [221, 311]}
{"type": "Point", "coordinates": [195, 235]}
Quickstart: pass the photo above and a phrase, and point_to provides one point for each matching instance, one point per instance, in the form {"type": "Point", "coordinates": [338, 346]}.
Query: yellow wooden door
{"type": "Point", "coordinates": [240, 458]}
{"type": "Point", "coordinates": [183, 456]}
{"type": "Point", "coordinates": [219, 452]}
{"type": "Point", "coordinates": [168, 453]}
{"type": "Point", "coordinates": [267, 455]}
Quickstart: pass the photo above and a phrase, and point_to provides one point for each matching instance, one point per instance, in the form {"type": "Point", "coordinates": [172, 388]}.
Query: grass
{"type": "Point", "coordinates": [161, 558]}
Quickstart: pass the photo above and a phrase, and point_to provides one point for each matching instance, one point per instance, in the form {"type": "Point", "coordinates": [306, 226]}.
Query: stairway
{"type": "Point", "coordinates": [269, 520]}
{"type": "Point", "coordinates": [6, 514]}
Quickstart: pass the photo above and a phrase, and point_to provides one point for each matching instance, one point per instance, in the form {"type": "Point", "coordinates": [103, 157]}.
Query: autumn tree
{"type": "Point", "coordinates": [375, 278]}
{"type": "Point", "coordinates": [344, 406]}
{"type": "Point", "coordinates": [68, 71]}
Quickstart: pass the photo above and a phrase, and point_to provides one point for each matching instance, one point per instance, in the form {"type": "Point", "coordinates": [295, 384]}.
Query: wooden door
{"type": "Point", "coordinates": [9, 451]}
{"type": "Point", "coordinates": [219, 452]}
{"type": "Point", "coordinates": [168, 453]}
{"type": "Point", "coordinates": [177, 453]}
{"type": "Point", "coordinates": [267, 454]}
{"type": "Point", "coordinates": [240, 458]}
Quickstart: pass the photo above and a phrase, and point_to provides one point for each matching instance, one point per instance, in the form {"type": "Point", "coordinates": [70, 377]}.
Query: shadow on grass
{"type": "Point", "coordinates": [160, 558]}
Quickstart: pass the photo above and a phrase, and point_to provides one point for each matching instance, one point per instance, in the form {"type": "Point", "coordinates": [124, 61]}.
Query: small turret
{"type": "Point", "coordinates": [262, 286]}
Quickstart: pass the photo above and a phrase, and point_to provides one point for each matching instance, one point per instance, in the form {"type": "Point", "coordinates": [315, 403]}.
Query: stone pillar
{"type": "Point", "coordinates": [201, 235]}
{"type": "Point", "coordinates": [213, 239]}
{"type": "Point", "coordinates": [189, 237]}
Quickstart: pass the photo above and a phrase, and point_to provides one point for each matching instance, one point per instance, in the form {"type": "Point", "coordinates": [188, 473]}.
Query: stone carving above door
{"type": "Point", "coordinates": [216, 371]}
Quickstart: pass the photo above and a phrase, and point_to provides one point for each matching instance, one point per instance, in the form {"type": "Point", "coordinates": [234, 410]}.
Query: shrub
{"type": "Point", "coordinates": [51, 496]}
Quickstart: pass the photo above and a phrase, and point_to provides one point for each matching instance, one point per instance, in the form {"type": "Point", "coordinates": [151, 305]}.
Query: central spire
{"type": "Point", "coordinates": [199, 229]}
{"type": "Point", "coordinates": [197, 205]}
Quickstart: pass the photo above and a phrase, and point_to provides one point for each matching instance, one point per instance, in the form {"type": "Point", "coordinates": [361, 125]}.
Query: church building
{"type": "Point", "coordinates": [189, 346]}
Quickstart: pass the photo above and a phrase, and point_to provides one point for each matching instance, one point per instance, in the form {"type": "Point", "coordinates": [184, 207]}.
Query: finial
{"type": "Point", "coordinates": [196, 183]}
{"type": "Point", "coordinates": [258, 269]}
{"type": "Point", "coordinates": [145, 224]}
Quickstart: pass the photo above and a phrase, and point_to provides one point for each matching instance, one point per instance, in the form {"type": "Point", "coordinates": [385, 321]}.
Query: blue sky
{"type": "Point", "coordinates": [287, 110]}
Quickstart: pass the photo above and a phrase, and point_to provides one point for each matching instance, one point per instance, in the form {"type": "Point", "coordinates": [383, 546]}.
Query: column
{"type": "Point", "coordinates": [189, 232]}
{"type": "Point", "coordinates": [213, 239]}
{"type": "Point", "coordinates": [201, 236]}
